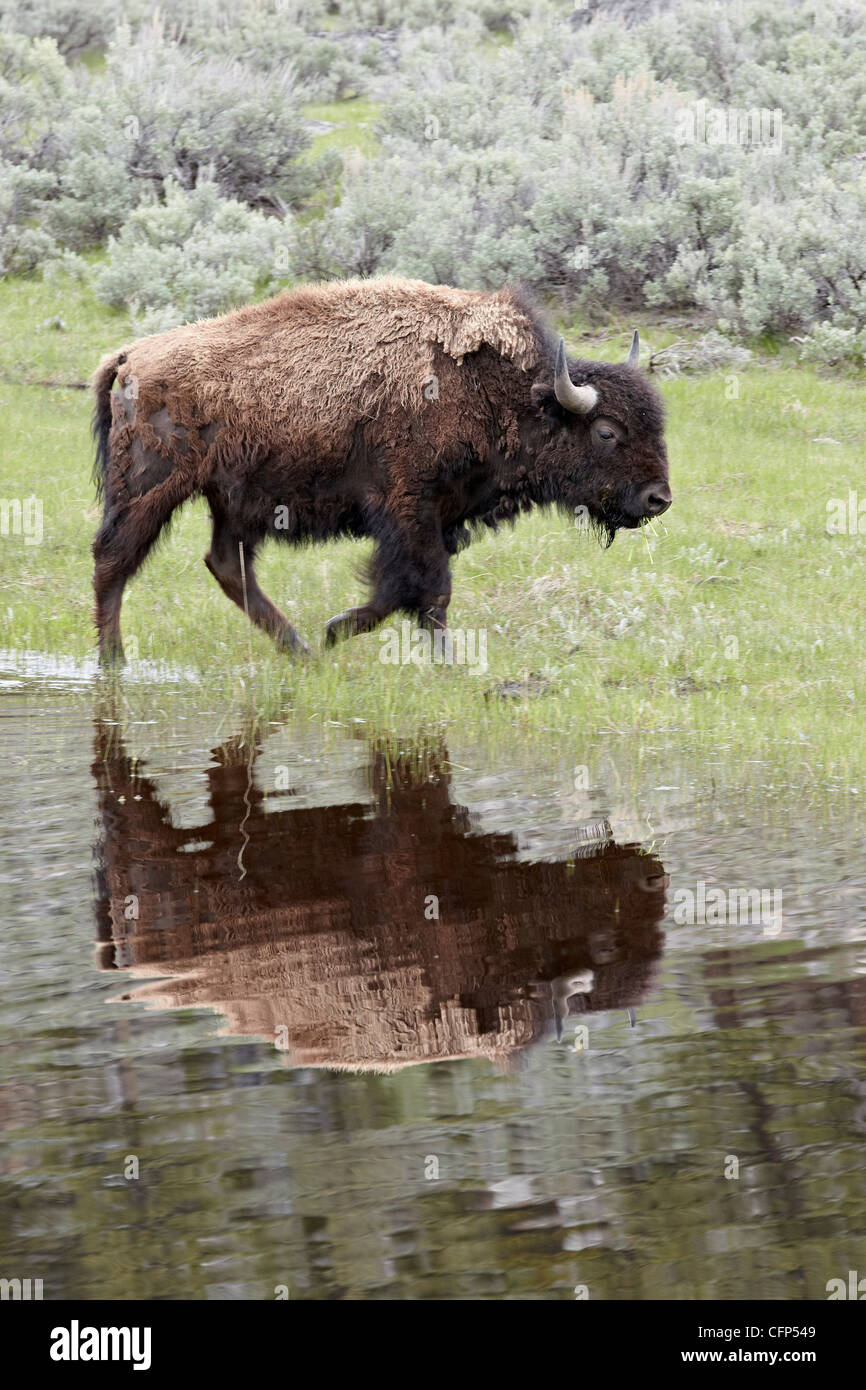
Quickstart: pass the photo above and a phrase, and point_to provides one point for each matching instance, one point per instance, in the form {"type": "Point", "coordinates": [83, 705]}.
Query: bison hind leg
{"type": "Point", "coordinates": [231, 561]}
{"type": "Point", "coordinates": [124, 540]}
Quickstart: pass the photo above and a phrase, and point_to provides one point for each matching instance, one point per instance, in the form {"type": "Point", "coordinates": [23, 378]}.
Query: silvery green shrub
{"type": "Point", "coordinates": [559, 153]}
{"type": "Point", "coordinates": [830, 345]}
{"type": "Point", "coordinates": [194, 255]}
{"type": "Point", "coordinates": [181, 113]}
{"type": "Point", "coordinates": [326, 66]}
{"type": "Point", "coordinates": [85, 149]}
{"type": "Point", "coordinates": [563, 159]}
{"type": "Point", "coordinates": [34, 90]}
{"type": "Point", "coordinates": [496, 15]}
{"type": "Point", "coordinates": [76, 26]}
{"type": "Point", "coordinates": [24, 245]}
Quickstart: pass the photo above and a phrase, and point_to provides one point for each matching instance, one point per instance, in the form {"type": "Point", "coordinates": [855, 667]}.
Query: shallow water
{"type": "Point", "coordinates": [378, 1020]}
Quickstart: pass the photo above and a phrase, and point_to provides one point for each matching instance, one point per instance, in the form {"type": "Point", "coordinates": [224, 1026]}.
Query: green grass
{"type": "Point", "coordinates": [354, 124]}
{"type": "Point", "coordinates": [736, 631]}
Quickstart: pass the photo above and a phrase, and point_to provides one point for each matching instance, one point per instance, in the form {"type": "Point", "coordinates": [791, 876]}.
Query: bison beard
{"type": "Point", "coordinates": [391, 409]}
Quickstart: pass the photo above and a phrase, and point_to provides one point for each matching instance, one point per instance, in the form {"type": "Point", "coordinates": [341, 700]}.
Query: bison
{"type": "Point", "coordinates": [392, 409]}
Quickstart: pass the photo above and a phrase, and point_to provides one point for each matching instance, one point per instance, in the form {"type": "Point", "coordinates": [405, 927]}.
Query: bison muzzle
{"type": "Point", "coordinates": [392, 409]}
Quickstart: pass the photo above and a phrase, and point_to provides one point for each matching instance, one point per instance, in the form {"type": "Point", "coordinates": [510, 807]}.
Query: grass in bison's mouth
{"type": "Point", "coordinates": [734, 628]}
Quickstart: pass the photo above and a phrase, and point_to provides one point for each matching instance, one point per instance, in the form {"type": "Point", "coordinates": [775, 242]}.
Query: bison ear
{"type": "Point", "coordinates": [542, 395]}
{"type": "Point", "coordinates": [545, 402]}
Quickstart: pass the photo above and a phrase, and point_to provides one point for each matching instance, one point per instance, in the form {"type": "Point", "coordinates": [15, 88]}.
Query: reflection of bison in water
{"type": "Point", "coordinates": [329, 944]}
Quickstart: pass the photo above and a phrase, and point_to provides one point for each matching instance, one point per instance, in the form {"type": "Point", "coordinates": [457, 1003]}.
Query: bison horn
{"type": "Point", "coordinates": [578, 399]}
{"type": "Point", "coordinates": [634, 351]}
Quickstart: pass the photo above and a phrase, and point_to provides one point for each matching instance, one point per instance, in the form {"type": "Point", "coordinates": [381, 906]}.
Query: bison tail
{"type": "Point", "coordinates": [103, 381]}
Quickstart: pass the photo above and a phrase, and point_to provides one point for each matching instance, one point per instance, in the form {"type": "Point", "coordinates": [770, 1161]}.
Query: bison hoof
{"type": "Point", "coordinates": [336, 629]}
{"type": "Point", "coordinates": [293, 645]}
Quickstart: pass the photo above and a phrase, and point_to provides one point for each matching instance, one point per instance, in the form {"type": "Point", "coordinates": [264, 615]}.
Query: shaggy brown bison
{"type": "Point", "coordinates": [327, 943]}
{"type": "Point", "coordinates": [392, 409]}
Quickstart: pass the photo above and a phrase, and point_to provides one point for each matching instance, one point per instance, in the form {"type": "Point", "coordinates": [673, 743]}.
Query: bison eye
{"type": "Point", "coordinates": [606, 432]}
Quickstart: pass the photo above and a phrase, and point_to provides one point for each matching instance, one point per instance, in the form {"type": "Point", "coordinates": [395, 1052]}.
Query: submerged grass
{"type": "Point", "coordinates": [735, 630]}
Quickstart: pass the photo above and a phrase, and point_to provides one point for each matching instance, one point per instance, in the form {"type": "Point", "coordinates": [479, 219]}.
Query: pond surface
{"type": "Point", "coordinates": [339, 1016]}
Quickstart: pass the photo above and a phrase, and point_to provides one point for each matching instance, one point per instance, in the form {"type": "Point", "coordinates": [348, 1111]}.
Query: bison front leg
{"type": "Point", "coordinates": [409, 572]}
{"type": "Point", "coordinates": [231, 562]}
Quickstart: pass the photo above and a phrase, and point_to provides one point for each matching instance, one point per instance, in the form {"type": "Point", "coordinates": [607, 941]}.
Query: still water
{"type": "Point", "coordinates": [332, 1015]}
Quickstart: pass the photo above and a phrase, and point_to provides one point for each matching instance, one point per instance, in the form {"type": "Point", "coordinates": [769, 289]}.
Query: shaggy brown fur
{"type": "Point", "coordinates": [384, 408]}
{"type": "Point", "coordinates": [361, 979]}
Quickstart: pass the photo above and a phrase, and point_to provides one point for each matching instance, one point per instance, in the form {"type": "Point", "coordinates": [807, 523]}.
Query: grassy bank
{"type": "Point", "coordinates": [737, 629]}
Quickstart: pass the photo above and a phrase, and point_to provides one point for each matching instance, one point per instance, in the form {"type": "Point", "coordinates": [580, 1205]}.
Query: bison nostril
{"type": "Point", "coordinates": [657, 501]}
